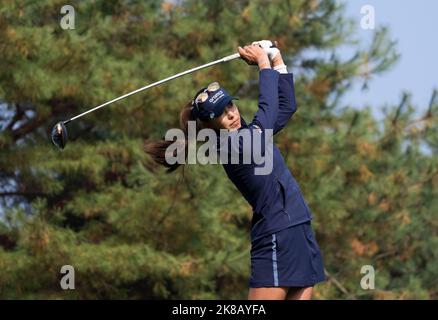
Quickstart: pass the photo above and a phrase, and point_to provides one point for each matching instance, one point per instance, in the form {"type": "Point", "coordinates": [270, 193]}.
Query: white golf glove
{"type": "Point", "coordinates": [270, 49]}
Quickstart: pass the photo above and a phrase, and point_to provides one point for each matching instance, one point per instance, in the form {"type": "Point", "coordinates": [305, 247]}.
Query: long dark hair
{"type": "Point", "coordinates": [157, 149]}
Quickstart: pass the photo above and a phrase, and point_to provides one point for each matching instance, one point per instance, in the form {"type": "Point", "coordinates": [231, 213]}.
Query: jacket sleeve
{"type": "Point", "coordinates": [286, 101]}
{"type": "Point", "coordinates": [267, 112]}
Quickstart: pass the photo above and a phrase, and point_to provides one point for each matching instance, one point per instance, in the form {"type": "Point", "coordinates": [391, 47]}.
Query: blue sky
{"type": "Point", "coordinates": [414, 24]}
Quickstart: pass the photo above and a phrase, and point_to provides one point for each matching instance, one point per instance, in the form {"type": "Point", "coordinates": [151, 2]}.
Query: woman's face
{"type": "Point", "coordinates": [229, 119]}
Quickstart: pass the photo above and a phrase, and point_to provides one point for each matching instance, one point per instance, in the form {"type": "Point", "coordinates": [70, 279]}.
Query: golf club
{"type": "Point", "coordinates": [59, 132]}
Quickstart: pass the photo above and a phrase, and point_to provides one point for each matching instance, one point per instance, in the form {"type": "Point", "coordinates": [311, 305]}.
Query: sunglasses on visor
{"type": "Point", "coordinates": [203, 96]}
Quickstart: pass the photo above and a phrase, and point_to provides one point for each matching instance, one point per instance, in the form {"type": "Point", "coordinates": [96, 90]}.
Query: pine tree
{"type": "Point", "coordinates": [132, 231]}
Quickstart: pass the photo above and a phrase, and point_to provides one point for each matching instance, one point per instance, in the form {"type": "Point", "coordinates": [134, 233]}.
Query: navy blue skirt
{"type": "Point", "coordinates": [287, 258]}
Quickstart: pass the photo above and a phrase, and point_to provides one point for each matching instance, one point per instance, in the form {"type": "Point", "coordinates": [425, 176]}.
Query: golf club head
{"type": "Point", "coordinates": [59, 135]}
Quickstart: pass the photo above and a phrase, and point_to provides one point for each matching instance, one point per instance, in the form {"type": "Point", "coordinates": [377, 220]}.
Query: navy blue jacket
{"type": "Point", "coordinates": [276, 198]}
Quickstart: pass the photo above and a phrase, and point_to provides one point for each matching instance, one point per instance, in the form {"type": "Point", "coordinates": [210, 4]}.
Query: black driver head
{"type": "Point", "coordinates": [59, 135]}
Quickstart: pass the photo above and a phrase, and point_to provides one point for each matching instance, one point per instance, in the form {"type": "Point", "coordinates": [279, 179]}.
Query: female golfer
{"type": "Point", "coordinates": [285, 258]}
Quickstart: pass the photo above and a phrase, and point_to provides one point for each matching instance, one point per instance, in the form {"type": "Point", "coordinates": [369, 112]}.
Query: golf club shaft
{"type": "Point", "coordinates": [225, 59]}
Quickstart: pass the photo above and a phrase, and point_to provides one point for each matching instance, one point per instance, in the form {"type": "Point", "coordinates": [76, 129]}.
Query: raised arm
{"type": "Point", "coordinates": [267, 113]}
{"type": "Point", "coordinates": [286, 94]}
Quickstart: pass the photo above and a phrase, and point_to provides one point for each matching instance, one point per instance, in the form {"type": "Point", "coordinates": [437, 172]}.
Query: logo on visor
{"type": "Point", "coordinates": [215, 98]}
